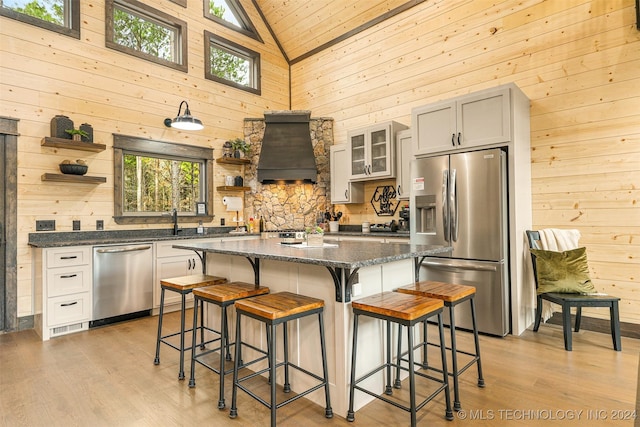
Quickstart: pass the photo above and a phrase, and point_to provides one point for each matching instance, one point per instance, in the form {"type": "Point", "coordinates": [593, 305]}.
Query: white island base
{"type": "Point", "coordinates": [304, 345]}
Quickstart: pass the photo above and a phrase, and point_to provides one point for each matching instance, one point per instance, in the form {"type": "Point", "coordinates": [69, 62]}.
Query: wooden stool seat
{"type": "Point", "coordinates": [397, 306]}
{"type": "Point", "coordinates": [186, 283]}
{"type": "Point", "coordinates": [448, 292]}
{"type": "Point", "coordinates": [273, 310]}
{"type": "Point", "coordinates": [407, 310]}
{"type": "Point", "coordinates": [451, 294]}
{"type": "Point", "coordinates": [279, 305]}
{"type": "Point", "coordinates": [223, 296]}
{"type": "Point", "coordinates": [183, 285]}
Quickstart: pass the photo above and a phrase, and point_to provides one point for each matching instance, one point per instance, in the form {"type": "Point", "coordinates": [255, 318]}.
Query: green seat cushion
{"type": "Point", "coordinates": [565, 272]}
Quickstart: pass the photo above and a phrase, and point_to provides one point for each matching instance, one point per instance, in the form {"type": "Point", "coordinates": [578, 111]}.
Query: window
{"type": "Point", "coordinates": [230, 14]}
{"type": "Point", "coordinates": [151, 178]}
{"type": "Point", "coordinates": [137, 29]}
{"type": "Point", "coordinates": [62, 16]}
{"type": "Point", "coordinates": [231, 64]}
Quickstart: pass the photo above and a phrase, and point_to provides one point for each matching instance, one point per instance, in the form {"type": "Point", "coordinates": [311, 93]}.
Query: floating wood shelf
{"type": "Point", "coordinates": [49, 141]}
{"type": "Point", "coordinates": [82, 179]}
{"type": "Point", "coordinates": [233, 161]}
{"type": "Point", "coordinates": [232, 188]}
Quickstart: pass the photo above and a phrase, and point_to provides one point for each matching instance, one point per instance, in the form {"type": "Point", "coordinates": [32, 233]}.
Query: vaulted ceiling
{"type": "Point", "coordinates": [305, 26]}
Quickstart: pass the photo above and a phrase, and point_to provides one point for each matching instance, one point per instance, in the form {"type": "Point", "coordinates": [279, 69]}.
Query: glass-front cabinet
{"type": "Point", "coordinates": [372, 151]}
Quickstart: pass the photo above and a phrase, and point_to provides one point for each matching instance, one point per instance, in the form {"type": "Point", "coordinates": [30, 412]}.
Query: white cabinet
{"type": "Point", "coordinates": [64, 277]}
{"type": "Point", "coordinates": [342, 189]}
{"type": "Point", "coordinates": [172, 262]}
{"type": "Point", "coordinates": [372, 151]}
{"type": "Point", "coordinates": [479, 119]}
{"type": "Point", "coordinates": [404, 156]}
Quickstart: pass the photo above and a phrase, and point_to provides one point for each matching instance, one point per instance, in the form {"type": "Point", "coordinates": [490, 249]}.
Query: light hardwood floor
{"type": "Point", "coordinates": [106, 377]}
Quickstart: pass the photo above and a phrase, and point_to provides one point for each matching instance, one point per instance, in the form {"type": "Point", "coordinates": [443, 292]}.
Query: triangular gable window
{"type": "Point", "coordinates": [231, 14]}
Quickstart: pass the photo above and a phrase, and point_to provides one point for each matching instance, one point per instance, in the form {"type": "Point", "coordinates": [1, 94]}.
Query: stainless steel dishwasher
{"type": "Point", "coordinates": [122, 282]}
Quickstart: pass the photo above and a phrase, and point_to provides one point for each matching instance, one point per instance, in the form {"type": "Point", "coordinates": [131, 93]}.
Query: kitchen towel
{"type": "Point", "coordinates": [232, 203]}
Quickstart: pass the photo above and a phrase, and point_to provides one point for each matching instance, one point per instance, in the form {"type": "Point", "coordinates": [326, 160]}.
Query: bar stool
{"type": "Point", "coordinates": [223, 296]}
{"type": "Point", "coordinates": [407, 310]}
{"type": "Point", "coordinates": [451, 295]}
{"type": "Point", "coordinates": [273, 310]}
{"type": "Point", "coordinates": [182, 285]}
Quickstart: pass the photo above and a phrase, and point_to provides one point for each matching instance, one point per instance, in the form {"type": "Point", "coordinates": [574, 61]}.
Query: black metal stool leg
{"type": "Point", "coordinates": [233, 412]}
{"type": "Point", "coordinates": [272, 364]}
{"type": "Point", "coordinates": [445, 374]}
{"type": "Point", "coordinates": [223, 344]}
{"type": "Point", "coordinates": [454, 360]}
{"type": "Point", "coordinates": [156, 361]}
{"type": "Point", "coordinates": [412, 383]}
{"type": "Point", "coordinates": [285, 335]}
{"type": "Point", "coordinates": [192, 376]}
{"type": "Point", "coordinates": [397, 383]}
{"type": "Point", "coordinates": [476, 340]}
{"type": "Point", "coordinates": [182, 325]}
{"type": "Point", "coordinates": [202, 345]}
{"type": "Point", "coordinates": [388, 389]}
{"type": "Point", "coordinates": [328, 412]}
{"type": "Point", "coordinates": [352, 383]}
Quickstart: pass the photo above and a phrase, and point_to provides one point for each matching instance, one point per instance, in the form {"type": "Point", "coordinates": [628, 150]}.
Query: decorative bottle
{"type": "Point", "coordinates": [59, 124]}
{"type": "Point", "coordinates": [89, 130]}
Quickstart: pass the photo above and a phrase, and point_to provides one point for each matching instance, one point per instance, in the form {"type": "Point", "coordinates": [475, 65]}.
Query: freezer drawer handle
{"type": "Point", "coordinates": [127, 249]}
{"type": "Point", "coordinates": [69, 304]}
{"type": "Point", "coordinates": [444, 266]}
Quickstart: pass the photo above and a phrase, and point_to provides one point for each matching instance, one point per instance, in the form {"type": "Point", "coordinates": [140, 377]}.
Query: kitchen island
{"type": "Point", "coordinates": [356, 269]}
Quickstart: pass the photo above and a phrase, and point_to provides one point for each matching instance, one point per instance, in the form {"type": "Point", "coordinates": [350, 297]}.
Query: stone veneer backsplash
{"type": "Point", "coordinates": [289, 206]}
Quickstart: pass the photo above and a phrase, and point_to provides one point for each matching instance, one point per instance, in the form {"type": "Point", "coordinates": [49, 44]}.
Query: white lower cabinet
{"type": "Point", "coordinates": [63, 280]}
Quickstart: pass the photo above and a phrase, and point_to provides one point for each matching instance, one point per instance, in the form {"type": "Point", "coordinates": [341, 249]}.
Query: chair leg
{"type": "Point", "coordinates": [156, 360]}
{"type": "Point", "coordinates": [328, 411]}
{"type": "Point", "coordinates": [192, 376]}
{"type": "Point", "coordinates": [578, 318]}
{"type": "Point", "coordinates": [224, 344]}
{"type": "Point", "coordinates": [388, 390]}
{"type": "Point", "coordinates": [454, 360]}
{"type": "Point", "coordinates": [352, 383]}
{"type": "Point", "coordinates": [233, 412]}
{"type": "Point", "coordinates": [285, 335]}
{"type": "Point", "coordinates": [202, 345]}
{"type": "Point", "coordinates": [615, 326]}
{"type": "Point", "coordinates": [412, 381]}
{"type": "Point", "coordinates": [397, 383]}
{"type": "Point", "coordinates": [445, 374]}
{"type": "Point", "coordinates": [566, 326]}
{"type": "Point", "coordinates": [476, 340]}
{"type": "Point", "coordinates": [272, 364]}
{"type": "Point", "coordinates": [536, 325]}
{"type": "Point", "coordinates": [182, 326]}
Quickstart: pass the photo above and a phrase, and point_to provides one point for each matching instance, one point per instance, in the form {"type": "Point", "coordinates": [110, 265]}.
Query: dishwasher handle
{"type": "Point", "coordinates": [447, 266]}
{"type": "Point", "coordinates": [123, 249]}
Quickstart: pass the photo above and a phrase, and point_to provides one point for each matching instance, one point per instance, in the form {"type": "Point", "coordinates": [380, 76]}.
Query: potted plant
{"type": "Point", "coordinates": [315, 236]}
{"type": "Point", "coordinates": [77, 134]}
{"type": "Point", "coordinates": [239, 145]}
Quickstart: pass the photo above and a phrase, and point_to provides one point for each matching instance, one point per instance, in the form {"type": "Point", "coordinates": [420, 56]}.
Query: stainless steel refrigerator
{"type": "Point", "coordinates": [460, 200]}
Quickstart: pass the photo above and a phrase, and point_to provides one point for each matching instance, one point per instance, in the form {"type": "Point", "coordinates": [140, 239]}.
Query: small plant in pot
{"type": "Point", "coordinates": [239, 145]}
{"type": "Point", "coordinates": [77, 134]}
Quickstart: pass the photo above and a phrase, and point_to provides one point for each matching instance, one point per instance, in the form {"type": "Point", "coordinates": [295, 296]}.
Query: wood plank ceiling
{"type": "Point", "coordinates": [303, 26]}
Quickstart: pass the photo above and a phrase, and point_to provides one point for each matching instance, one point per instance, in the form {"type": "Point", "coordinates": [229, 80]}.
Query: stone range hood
{"type": "Point", "coordinates": [287, 151]}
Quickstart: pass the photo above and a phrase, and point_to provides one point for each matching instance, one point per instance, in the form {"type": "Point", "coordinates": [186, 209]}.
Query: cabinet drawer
{"type": "Point", "coordinates": [62, 257]}
{"type": "Point", "coordinates": [68, 309]}
{"type": "Point", "coordinates": [65, 281]}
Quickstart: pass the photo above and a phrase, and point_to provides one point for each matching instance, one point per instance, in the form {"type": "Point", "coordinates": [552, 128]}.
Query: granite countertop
{"type": "Point", "coordinates": [337, 255]}
{"type": "Point", "coordinates": [53, 239]}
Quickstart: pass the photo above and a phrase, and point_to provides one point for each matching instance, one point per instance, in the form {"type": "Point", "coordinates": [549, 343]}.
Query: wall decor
{"type": "Point", "coordinates": [384, 200]}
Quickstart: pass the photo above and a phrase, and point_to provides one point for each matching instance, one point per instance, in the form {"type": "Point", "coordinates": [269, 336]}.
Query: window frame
{"type": "Point", "coordinates": [153, 15]}
{"type": "Point", "coordinates": [124, 144]}
{"type": "Point", "coordinates": [211, 39]}
{"type": "Point", "coordinates": [248, 29]}
{"type": "Point", "coordinates": [74, 19]}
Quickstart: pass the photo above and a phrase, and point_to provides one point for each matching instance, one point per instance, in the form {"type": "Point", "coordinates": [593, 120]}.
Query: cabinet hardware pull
{"type": "Point", "coordinates": [459, 134]}
{"type": "Point", "coordinates": [69, 304]}
{"type": "Point", "coordinates": [69, 257]}
{"type": "Point", "coordinates": [189, 264]}
{"type": "Point", "coordinates": [68, 276]}
{"type": "Point", "coordinates": [346, 195]}
{"type": "Point", "coordinates": [453, 139]}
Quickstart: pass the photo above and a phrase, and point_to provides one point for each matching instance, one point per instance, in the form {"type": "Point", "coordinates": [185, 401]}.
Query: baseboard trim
{"type": "Point", "coordinates": [630, 330]}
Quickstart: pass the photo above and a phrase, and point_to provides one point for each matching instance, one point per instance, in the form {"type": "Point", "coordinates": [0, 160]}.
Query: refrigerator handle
{"type": "Point", "coordinates": [445, 205]}
{"type": "Point", "coordinates": [453, 207]}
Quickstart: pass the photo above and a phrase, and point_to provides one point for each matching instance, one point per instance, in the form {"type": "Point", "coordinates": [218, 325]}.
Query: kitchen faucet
{"type": "Point", "coordinates": [174, 214]}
